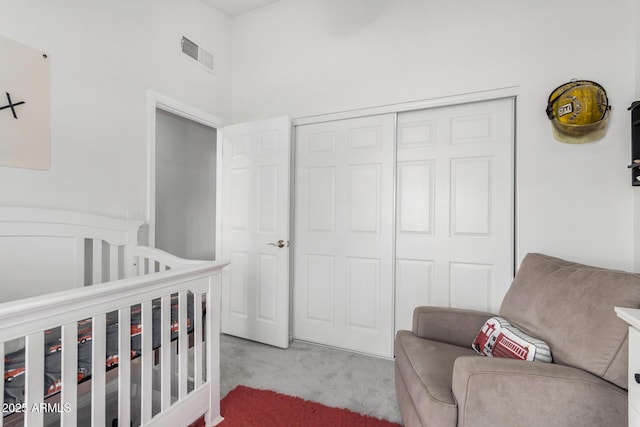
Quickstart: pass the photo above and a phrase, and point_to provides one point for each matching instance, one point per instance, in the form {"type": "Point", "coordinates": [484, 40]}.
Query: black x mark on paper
{"type": "Point", "coordinates": [12, 105]}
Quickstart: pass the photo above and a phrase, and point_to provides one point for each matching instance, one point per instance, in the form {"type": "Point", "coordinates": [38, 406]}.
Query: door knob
{"type": "Point", "coordinates": [279, 244]}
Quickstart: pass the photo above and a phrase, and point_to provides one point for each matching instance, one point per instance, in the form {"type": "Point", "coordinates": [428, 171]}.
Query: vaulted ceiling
{"type": "Point", "coordinates": [237, 7]}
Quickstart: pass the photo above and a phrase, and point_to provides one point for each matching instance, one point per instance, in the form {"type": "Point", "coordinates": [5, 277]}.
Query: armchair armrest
{"type": "Point", "coordinates": [449, 325]}
{"type": "Point", "coordinates": [495, 391]}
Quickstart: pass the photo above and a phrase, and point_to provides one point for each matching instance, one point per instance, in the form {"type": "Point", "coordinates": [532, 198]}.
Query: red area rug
{"type": "Point", "coordinates": [245, 406]}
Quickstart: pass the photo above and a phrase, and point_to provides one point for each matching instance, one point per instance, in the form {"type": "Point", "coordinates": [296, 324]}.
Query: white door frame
{"type": "Point", "coordinates": [487, 95]}
{"type": "Point", "coordinates": [156, 101]}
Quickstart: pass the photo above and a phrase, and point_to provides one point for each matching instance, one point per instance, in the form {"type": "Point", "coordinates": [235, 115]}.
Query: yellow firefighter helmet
{"type": "Point", "coordinates": [579, 111]}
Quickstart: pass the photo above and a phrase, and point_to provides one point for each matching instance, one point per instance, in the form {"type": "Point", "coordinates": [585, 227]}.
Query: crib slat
{"type": "Point", "coordinates": [69, 394]}
{"type": "Point", "coordinates": [197, 340]}
{"type": "Point", "coordinates": [80, 264]}
{"type": "Point", "coordinates": [124, 366]}
{"type": "Point", "coordinates": [113, 263]}
{"type": "Point", "coordinates": [165, 348]}
{"type": "Point", "coordinates": [183, 343]}
{"type": "Point", "coordinates": [34, 380]}
{"type": "Point", "coordinates": [130, 263]}
{"type": "Point", "coordinates": [212, 330]}
{"type": "Point", "coordinates": [97, 261]}
{"type": "Point", "coordinates": [98, 363]}
{"type": "Point", "coordinates": [141, 266]}
{"type": "Point", "coordinates": [146, 392]}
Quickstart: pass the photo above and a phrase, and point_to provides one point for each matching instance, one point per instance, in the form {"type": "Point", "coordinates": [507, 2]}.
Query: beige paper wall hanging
{"type": "Point", "coordinates": [24, 106]}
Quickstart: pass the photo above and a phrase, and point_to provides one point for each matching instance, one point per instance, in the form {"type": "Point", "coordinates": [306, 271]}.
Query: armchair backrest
{"type": "Point", "coordinates": [571, 307]}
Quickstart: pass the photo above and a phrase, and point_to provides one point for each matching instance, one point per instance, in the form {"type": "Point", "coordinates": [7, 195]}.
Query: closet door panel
{"type": "Point", "coordinates": [471, 196]}
{"type": "Point", "coordinates": [321, 206]}
{"type": "Point", "coordinates": [415, 194]}
{"type": "Point", "coordinates": [455, 207]}
{"type": "Point", "coordinates": [343, 234]}
{"type": "Point", "coordinates": [470, 285]}
{"type": "Point", "coordinates": [318, 294]}
{"type": "Point", "coordinates": [363, 283]}
{"type": "Point", "coordinates": [417, 272]}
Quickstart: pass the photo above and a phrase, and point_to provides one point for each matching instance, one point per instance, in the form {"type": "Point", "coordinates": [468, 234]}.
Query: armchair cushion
{"type": "Point", "coordinates": [508, 392]}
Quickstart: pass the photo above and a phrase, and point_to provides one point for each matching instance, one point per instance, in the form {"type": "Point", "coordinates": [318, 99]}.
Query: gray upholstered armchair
{"type": "Point", "coordinates": [441, 381]}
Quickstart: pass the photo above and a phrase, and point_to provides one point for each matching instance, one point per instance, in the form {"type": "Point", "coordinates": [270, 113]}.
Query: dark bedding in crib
{"type": "Point", "coordinates": [15, 360]}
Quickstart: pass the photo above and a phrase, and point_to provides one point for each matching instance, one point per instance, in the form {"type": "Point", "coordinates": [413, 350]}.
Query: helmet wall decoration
{"type": "Point", "coordinates": [579, 111]}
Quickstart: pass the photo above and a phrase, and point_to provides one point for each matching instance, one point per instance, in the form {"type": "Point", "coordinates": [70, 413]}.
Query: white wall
{"type": "Point", "coordinates": [303, 57]}
{"type": "Point", "coordinates": [104, 56]}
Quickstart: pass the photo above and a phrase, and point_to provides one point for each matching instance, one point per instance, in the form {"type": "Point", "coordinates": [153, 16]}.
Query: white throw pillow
{"type": "Point", "coordinates": [499, 338]}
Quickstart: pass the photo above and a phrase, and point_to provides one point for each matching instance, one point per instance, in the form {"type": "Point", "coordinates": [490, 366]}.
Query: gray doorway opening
{"type": "Point", "coordinates": [185, 186]}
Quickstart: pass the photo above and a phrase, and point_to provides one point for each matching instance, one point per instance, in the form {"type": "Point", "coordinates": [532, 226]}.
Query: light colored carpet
{"type": "Point", "coordinates": [332, 377]}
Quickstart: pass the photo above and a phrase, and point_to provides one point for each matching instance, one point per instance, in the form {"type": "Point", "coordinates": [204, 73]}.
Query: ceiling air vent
{"type": "Point", "coordinates": [194, 51]}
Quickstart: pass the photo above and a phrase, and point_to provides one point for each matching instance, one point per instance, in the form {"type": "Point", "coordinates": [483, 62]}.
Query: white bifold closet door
{"type": "Point", "coordinates": [343, 249]}
{"type": "Point", "coordinates": [454, 220]}
{"type": "Point", "coordinates": [396, 211]}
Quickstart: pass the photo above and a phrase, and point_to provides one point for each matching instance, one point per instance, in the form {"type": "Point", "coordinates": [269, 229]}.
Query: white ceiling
{"type": "Point", "coordinates": [237, 7]}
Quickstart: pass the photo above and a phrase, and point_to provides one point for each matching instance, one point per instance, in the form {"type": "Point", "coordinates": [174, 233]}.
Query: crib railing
{"type": "Point", "coordinates": [197, 391]}
{"type": "Point", "coordinates": [146, 260]}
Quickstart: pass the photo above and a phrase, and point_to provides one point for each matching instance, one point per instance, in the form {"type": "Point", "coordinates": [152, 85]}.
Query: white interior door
{"type": "Point", "coordinates": [343, 252]}
{"type": "Point", "coordinates": [255, 230]}
{"type": "Point", "coordinates": [454, 223]}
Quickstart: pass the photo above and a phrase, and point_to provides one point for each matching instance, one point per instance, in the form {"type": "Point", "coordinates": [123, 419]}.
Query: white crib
{"type": "Point", "coordinates": [105, 276]}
